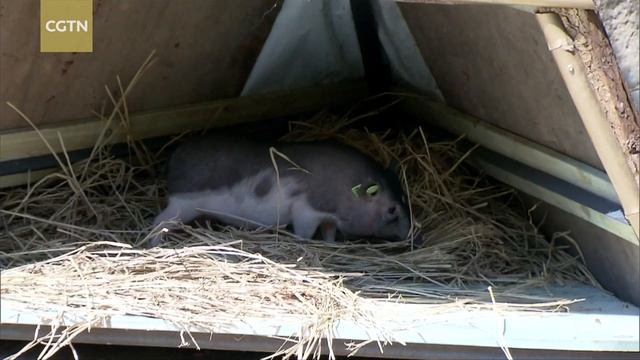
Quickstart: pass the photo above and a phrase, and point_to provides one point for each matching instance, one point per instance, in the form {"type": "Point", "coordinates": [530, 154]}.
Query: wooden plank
{"type": "Point", "coordinates": [621, 20]}
{"type": "Point", "coordinates": [590, 43]}
{"type": "Point", "coordinates": [192, 67]}
{"type": "Point", "coordinates": [594, 116]}
{"type": "Point", "coordinates": [81, 134]}
{"type": "Point", "coordinates": [7, 181]}
{"type": "Point", "coordinates": [575, 4]}
{"type": "Point", "coordinates": [613, 327]}
{"type": "Point", "coordinates": [609, 258]}
{"type": "Point", "coordinates": [525, 184]}
{"type": "Point", "coordinates": [483, 74]}
{"type": "Point", "coordinates": [512, 146]}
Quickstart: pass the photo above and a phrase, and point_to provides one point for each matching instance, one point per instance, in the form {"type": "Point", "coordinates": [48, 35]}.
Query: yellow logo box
{"type": "Point", "coordinates": [66, 25]}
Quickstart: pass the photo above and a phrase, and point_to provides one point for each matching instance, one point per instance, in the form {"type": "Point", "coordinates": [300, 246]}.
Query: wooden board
{"type": "Point", "coordinates": [614, 262]}
{"type": "Point", "coordinates": [621, 20]}
{"type": "Point", "coordinates": [593, 112]}
{"type": "Point", "coordinates": [513, 146]}
{"type": "Point", "coordinates": [601, 69]}
{"type": "Point", "coordinates": [80, 134]}
{"type": "Point", "coordinates": [29, 177]}
{"type": "Point", "coordinates": [577, 4]}
{"type": "Point", "coordinates": [206, 50]}
{"type": "Point", "coordinates": [493, 63]}
{"type": "Point", "coordinates": [600, 323]}
{"type": "Point", "coordinates": [530, 184]}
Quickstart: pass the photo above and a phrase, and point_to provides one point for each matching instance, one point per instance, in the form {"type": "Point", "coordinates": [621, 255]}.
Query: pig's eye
{"type": "Point", "coordinates": [373, 190]}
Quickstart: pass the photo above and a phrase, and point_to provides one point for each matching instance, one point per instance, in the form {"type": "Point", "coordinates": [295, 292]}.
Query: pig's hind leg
{"type": "Point", "coordinates": [177, 210]}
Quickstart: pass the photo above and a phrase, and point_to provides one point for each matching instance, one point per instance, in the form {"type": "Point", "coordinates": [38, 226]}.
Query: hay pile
{"type": "Point", "coordinates": [215, 285]}
{"type": "Point", "coordinates": [467, 235]}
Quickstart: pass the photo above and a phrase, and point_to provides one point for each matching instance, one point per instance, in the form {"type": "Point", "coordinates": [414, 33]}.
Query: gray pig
{"type": "Point", "coordinates": [320, 185]}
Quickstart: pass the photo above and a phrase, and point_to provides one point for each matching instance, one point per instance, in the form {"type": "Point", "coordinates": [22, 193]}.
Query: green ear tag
{"type": "Point", "coordinates": [356, 190]}
{"type": "Point", "coordinates": [373, 190]}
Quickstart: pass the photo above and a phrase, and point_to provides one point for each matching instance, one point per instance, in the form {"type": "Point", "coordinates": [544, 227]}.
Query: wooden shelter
{"type": "Point", "coordinates": [547, 88]}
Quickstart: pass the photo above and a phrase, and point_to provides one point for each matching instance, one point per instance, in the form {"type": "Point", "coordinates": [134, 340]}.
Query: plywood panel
{"type": "Point", "coordinates": [492, 62]}
{"type": "Point", "coordinates": [206, 50]}
{"type": "Point", "coordinates": [613, 261]}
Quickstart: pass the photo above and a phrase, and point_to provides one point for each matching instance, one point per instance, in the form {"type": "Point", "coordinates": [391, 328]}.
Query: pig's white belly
{"type": "Point", "coordinates": [243, 206]}
{"type": "Point", "coordinates": [239, 205]}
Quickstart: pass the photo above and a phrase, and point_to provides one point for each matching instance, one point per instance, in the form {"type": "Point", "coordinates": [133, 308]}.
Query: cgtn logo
{"type": "Point", "coordinates": [66, 25]}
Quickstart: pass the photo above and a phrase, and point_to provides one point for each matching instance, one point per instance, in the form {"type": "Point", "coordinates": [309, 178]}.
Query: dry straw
{"type": "Point", "coordinates": [72, 241]}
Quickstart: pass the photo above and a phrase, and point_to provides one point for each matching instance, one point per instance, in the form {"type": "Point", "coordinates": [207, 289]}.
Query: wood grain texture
{"type": "Point", "coordinates": [578, 4]}
{"type": "Point", "coordinates": [621, 20]}
{"type": "Point", "coordinates": [593, 114]}
{"type": "Point", "coordinates": [615, 266]}
{"type": "Point", "coordinates": [592, 45]}
{"type": "Point", "coordinates": [83, 133]}
{"type": "Point", "coordinates": [206, 50]}
{"type": "Point", "coordinates": [492, 62]}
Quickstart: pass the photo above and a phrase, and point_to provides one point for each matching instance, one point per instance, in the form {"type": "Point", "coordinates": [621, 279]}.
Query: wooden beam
{"type": "Point", "coordinates": [82, 134]}
{"type": "Point", "coordinates": [574, 4]}
{"type": "Point", "coordinates": [512, 146]}
{"type": "Point", "coordinates": [554, 198]}
{"type": "Point", "coordinates": [592, 113]}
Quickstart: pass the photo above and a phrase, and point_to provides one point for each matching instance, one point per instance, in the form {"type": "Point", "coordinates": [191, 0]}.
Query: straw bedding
{"type": "Point", "coordinates": [74, 240]}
